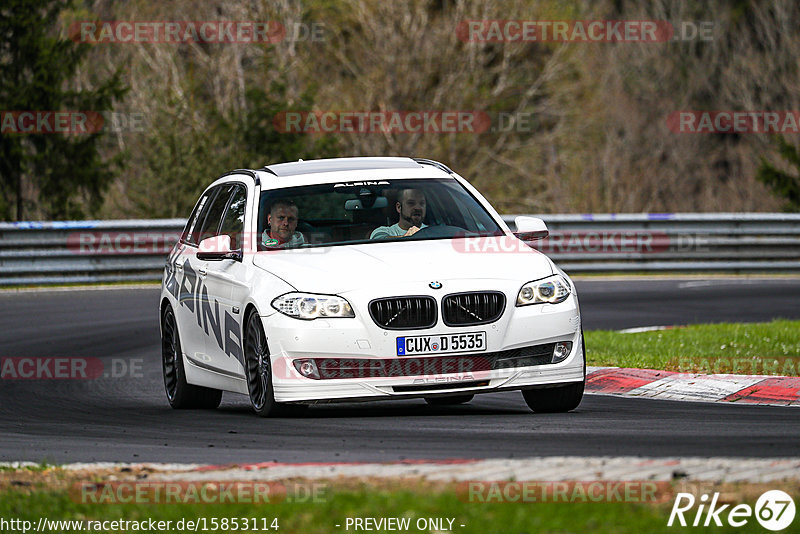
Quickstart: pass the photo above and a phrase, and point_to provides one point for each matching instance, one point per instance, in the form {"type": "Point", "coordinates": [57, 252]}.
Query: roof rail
{"type": "Point", "coordinates": [440, 166]}
{"type": "Point", "coordinates": [248, 172]}
{"type": "Point", "coordinates": [294, 168]}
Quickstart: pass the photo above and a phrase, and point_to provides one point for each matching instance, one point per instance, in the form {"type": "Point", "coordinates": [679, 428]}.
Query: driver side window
{"type": "Point", "coordinates": [214, 212]}
{"type": "Point", "coordinates": [233, 221]}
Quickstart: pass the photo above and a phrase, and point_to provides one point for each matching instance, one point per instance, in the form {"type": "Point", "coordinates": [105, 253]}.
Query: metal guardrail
{"type": "Point", "coordinates": [63, 252]}
{"type": "Point", "coordinates": [110, 251]}
{"type": "Point", "coordinates": [658, 242]}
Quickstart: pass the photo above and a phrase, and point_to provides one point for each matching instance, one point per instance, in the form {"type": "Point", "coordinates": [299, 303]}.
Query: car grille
{"type": "Point", "coordinates": [463, 309]}
{"type": "Point", "coordinates": [404, 313]}
{"type": "Point", "coordinates": [335, 368]}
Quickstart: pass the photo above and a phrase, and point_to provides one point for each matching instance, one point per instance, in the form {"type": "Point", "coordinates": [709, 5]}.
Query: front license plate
{"type": "Point", "coordinates": [471, 342]}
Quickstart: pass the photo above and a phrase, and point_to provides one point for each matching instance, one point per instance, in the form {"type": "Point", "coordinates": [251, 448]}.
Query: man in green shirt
{"type": "Point", "coordinates": [411, 208]}
{"type": "Point", "coordinates": [282, 221]}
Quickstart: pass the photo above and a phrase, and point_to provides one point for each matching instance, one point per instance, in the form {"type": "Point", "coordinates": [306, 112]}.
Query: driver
{"type": "Point", "coordinates": [411, 207]}
{"type": "Point", "coordinates": [282, 221]}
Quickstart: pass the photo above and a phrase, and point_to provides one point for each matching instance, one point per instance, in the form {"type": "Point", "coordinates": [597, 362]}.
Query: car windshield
{"type": "Point", "coordinates": [370, 212]}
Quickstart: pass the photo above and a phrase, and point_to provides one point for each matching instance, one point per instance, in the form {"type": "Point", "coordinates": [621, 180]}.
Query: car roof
{"type": "Point", "coordinates": [301, 172]}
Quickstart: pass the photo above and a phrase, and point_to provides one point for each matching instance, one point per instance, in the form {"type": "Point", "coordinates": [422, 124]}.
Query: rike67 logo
{"type": "Point", "coordinates": [774, 510]}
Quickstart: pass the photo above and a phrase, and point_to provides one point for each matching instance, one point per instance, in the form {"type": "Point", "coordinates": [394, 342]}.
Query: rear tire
{"type": "Point", "coordinates": [449, 401]}
{"type": "Point", "coordinates": [558, 399]}
{"type": "Point", "coordinates": [180, 394]}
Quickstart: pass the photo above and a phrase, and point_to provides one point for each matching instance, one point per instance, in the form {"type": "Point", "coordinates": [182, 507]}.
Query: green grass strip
{"type": "Point", "coordinates": [334, 509]}
{"type": "Point", "coordinates": [739, 348]}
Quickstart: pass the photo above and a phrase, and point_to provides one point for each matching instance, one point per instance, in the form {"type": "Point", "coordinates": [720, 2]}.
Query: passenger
{"type": "Point", "coordinates": [411, 208]}
{"type": "Point", "coordinates": [282, 220]}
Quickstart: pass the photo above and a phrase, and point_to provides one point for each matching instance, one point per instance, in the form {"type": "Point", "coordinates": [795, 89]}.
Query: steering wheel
{"type": "Point", "coordinates": [439, 230]}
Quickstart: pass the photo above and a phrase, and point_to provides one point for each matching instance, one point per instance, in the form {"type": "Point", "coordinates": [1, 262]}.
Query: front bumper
{"type": "Point", "coordinates": [291, 339]}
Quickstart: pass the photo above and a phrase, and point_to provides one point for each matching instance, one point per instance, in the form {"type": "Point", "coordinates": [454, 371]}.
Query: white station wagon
{"type": "Point", "coordinates": [357, 279]}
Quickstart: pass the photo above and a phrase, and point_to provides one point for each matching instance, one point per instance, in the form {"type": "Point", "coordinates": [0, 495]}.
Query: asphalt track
{"type": "Point", "coordinates": [128, 420]}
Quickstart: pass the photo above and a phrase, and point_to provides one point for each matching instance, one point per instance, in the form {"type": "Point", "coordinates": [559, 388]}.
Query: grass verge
{"type": "Point", "coordinates": [48, 496]}
{"type": "Point", "coordinates": [739, 348]}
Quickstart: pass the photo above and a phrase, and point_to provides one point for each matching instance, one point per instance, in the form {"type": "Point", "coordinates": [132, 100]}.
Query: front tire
{"type": "Point", "coordinates": [258, 367]}
{"type": "Point", "coordinates": [558, 399]}
{"type": "Point", "coordinates": [181, 394]}
{"type": "Point", "coordinates": [554, 400]}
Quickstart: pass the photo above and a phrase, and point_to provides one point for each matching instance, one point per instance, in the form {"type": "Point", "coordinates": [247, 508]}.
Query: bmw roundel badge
{"type": "Point", "coordinates": [435, 285]}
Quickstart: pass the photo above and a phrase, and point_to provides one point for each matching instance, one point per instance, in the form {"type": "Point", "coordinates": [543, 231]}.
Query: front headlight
{"type": "Point", "coordinates": [309, 306]}
{"type": "Point", "coordinates": [553, 289]}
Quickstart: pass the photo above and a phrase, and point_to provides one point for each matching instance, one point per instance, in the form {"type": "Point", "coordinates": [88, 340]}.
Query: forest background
{"type": "Point", "coordinates": [575, 126]}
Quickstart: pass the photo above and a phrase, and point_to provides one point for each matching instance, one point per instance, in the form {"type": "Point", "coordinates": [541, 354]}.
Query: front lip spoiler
{"type": "Point", "coordinates": [470, 384]}
{"type": "Point", "coordinates": [436, 393]}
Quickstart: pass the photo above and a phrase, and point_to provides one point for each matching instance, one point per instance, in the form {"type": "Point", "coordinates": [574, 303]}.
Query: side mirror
{"type": "Point", "coordinates": [530, 228]}
{"type": "Point", "coordinates": [218, 248]}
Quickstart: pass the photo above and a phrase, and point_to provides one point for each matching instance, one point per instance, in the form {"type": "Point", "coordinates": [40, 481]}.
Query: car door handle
{"type": "Point", "coordinates": [178, 267]}
{"type": "Point", "coordinates": [203, 271]}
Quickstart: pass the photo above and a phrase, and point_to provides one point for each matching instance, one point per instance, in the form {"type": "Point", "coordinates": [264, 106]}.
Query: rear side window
{"type": "Point", "coordinates": [197, 215]}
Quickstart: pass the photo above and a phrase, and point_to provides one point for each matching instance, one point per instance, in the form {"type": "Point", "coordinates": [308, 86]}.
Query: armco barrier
{"type": "Point", "coordinates": [110, 251]}
{"type": "Point", "coordinates": [59, 252]}
{"type": "Point", "coordinates": [718, 242]}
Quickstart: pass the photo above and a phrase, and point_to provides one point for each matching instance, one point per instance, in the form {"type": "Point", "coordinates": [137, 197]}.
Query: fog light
{"type": "Point", "coordinates": [307, 368]}
{"type": "Point", "coordinates": [561, 351]}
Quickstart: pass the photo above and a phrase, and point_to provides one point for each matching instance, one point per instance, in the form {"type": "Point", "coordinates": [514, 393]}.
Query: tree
{"type": "Point", "coordinates": [186, 153]}
{"type": "Point", "coordinates": [783, 184]}
{"type": "Point", "coordinates": [65, 172]}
